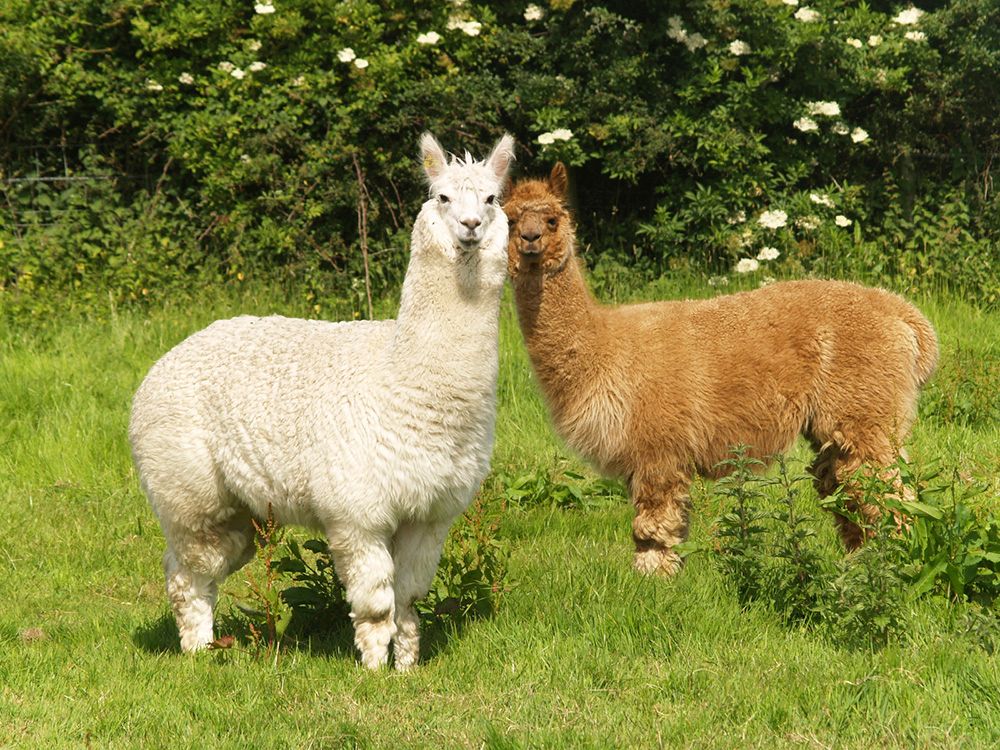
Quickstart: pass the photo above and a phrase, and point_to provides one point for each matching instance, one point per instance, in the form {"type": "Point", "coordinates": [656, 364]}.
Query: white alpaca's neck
{"type": "Point", "coordinates": [449, 309]}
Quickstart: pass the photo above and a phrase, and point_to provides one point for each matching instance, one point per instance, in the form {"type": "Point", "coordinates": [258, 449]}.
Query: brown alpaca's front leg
{"type": "Point", "coordinates": [661, 521]}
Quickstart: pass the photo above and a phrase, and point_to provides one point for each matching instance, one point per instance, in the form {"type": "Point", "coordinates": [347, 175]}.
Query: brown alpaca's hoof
{"type": "Point", "coordinates": [657, 561]}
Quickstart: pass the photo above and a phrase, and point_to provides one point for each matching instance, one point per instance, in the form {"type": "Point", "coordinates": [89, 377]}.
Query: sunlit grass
{"type": "Point", "coordinates": [582, 652]}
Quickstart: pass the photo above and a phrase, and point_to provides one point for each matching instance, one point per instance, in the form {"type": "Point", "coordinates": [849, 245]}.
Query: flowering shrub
{"type": "Point", "coordinates": [235, 138]}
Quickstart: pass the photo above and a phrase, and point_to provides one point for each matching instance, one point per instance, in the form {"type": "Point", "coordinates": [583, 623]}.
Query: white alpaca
{"type": "Point", "coordinates": [378, 433]}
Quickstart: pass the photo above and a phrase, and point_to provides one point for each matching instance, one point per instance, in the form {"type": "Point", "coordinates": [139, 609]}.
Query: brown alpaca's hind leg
{"type": "Point", "coordinates": [835, 467]}
{"type": "Point", "coordinates": [661, 521]}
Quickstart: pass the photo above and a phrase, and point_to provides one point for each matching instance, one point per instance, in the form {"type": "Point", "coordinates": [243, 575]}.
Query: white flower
{"type": "Point", "coordinates": [805, 124]}
{"type": "Point", "coordinates": [808, 223]}
{"type": "Point", "coordinates": [840, 128]}
{"type": "Point", "coordinates": [360, 63]}
{"type": "Point", "coordinates": [695, 41]}
{"type": "Point", "coordinates": [186, 78]}
{"type": "Point", "coordinates": [226, 66]}
{"type": "Point", "coordinates": [739, 47]}
{"type": "Point", "coordinates": [768, 253]}
{"type": "Point", "coordinates": [915, 36]}
{"type": "Point", "coordinates": [718, 281]}
{"type": "Point", "coordinates": [827, 109]}
{"type": "Point", "coordinates": [793, 3]}
{"type": "Point", "coordinates": [263, 9]}
{"type": "Point", "coordinates": [842, 221]}
{"type": "Point", "coordinates": [766, 280]}
{"type": "Point", "coordinates": [675, 30]}
{"type": "Point", "coordinates": [298, 81]}
{"type": "Point", "coordinates": [245, 158]}
{"type": "Point", "coordinates": [546, 139]}
{"type": "Point", "coordinates": [874, 40]}
{"type": "Point", "coordinates": [746, 265]}
{"type": "Point", "coordinates": [737, 218]}
{"type": "Point", "coordinates": [909, 16]}
{"type": "Point", "coordinates": [472, 28]}
{"type": "Point", "coordinates": [256, 66]}
{"type": "Point", "coordinates": [431, 37]}
{"type": "Point", "coordinates": [346, 55]}
{"type": "Point", "coordinates": [773, 219]}
{"type": "Point", "coordinates": [856, 43]}
{"type": "Point", "coordinates": [806, 15]}
{"type": "Point", "coordinates": [823, 200]}
{"type": "Point", "coordinates": [533, 13]}
{"type": "Point", "coordinates": [859, 135]}
{"type": "Point", "coordinates": [152, 85]}
{"type": "Point", "coordinates": [237, 73]}
{"type": "Point", "coordinates": [562, 134]}
{"type": "Point", "coordinates": [253, 45]}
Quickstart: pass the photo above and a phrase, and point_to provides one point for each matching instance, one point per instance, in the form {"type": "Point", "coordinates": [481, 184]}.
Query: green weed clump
{"type": "Point", "coordinates": [930, 544]}
{"type": "Point", "coordinates": [561, 488]}
{"type": "Point", "coordinates": [294, 588]}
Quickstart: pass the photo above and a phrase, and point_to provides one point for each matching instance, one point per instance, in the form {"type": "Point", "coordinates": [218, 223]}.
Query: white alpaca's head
{"type": "Point", "coordinates": [465, 194]}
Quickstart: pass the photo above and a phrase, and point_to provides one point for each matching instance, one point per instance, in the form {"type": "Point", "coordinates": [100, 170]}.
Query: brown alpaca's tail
{"type": "Point", "coordinates": [927, 346]}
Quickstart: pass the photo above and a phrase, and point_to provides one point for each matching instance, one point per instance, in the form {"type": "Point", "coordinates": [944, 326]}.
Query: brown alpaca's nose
{"type": "Point", "coordinates": [530, 235]}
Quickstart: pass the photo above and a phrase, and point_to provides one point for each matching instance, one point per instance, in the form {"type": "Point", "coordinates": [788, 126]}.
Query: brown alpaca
{"type": "Point", "coordinates": [656, 392]}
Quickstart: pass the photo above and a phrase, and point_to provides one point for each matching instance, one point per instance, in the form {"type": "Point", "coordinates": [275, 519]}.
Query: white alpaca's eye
{"type": "Point", "coordinates": [490, 199]}
{"type": "Point", "coordinates": [444, 198]}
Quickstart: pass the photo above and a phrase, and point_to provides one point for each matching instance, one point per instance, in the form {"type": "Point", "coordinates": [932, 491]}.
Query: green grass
{"type": "Point", "coordinates": [582, 652]}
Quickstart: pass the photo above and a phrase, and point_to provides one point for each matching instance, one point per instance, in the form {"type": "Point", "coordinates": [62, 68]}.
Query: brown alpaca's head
{"type": "Point", "coordinates": [541, 227]}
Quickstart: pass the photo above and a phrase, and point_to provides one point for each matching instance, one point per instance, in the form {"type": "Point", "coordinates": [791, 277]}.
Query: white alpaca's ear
{"type": "Point", "coordinates": [502, 156]}
{"type": "Point", "coordinates": [432, 156]}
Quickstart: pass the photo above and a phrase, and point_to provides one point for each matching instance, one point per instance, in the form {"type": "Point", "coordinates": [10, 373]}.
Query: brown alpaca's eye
{"type": "Point", "coordinates": [553, 223]}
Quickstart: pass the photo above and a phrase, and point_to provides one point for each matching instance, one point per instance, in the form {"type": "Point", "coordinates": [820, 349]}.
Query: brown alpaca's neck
{"type": "Point", "coordinates": [562, 325]}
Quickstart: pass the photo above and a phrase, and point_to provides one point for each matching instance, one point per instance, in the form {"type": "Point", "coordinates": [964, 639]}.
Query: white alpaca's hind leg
{"type": "Point", "coordinates": [194, 564]}
{"type": "Point", "coordinates": [192, 597]}
{"type": "Point", "coordinates": [366, 570]}
{"type": "Point", "coordinates": [417, 551]}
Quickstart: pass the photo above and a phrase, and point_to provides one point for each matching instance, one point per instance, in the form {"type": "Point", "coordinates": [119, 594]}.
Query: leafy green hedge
{"type": "Point", "coordinates": [218, 139]}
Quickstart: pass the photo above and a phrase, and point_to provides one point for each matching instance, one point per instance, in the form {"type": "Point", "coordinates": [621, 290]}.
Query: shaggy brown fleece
{"type": "Point", "coordinates": [656, 392]}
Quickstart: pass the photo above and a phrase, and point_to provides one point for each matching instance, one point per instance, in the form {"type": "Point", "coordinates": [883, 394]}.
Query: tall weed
{"type": "Point", "coordinates": [928, 541]}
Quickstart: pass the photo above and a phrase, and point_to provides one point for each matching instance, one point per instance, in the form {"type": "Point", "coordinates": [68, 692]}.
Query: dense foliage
{"type": "Point", "coordinates": [143, 144]}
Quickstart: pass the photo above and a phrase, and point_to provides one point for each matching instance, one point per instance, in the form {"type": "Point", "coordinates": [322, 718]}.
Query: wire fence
{"type": "Point", "coordinates": [46, 185]}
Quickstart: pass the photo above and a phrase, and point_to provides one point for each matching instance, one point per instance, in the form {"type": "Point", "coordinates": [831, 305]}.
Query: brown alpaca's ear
{"type": "Point", "coordinates": [559, 180]}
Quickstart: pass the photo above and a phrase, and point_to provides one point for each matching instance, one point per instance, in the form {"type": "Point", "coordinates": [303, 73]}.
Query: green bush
{"type": "Point", "coordinates": [211, 141]}
{"type": "Point", "coordinates": [933, 544]}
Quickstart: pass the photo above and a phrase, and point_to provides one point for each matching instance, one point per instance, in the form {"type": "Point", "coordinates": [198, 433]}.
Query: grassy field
{"type": "Point", "coordinates": [581, 653]}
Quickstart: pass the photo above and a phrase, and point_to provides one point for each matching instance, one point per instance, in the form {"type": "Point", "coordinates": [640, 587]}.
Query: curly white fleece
{"type": "Point", "coordinates": [377, 433]}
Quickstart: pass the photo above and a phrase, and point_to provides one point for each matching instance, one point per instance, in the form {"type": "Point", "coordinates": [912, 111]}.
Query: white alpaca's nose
{"type": "Point", "coordinates": [471, 222]}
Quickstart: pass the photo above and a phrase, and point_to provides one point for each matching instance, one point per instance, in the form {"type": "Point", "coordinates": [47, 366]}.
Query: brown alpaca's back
{"type": "Point", "coordinates": [655, 391]}
{"type": "Point", "coordinates": [761, 367]}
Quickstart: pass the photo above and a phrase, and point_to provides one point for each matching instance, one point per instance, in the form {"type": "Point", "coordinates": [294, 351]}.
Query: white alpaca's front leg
{"type": "Point", "coordinates": [417, 551]}
{"type": "Point", "coordinates": [366, 570]}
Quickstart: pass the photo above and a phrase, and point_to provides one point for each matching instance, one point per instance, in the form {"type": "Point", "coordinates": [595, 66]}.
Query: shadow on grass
{"type": "Point", "coordinates": [159, 636]}
{"type": "Point", "coordinates": [332, 639]}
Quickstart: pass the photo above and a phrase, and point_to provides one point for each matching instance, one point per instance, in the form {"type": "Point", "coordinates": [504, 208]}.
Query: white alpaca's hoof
{"type": "Point", "coordinates": [404, 664]}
